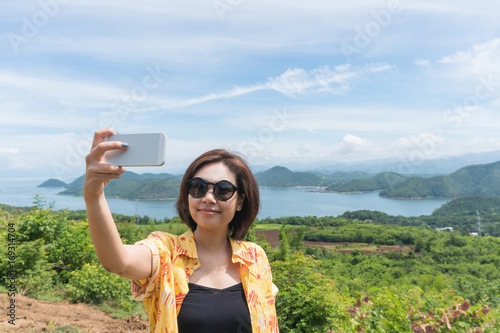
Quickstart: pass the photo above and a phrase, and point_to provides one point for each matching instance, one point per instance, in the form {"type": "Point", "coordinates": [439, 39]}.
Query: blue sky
{"type": "Point", "coordinates": [281, 82]}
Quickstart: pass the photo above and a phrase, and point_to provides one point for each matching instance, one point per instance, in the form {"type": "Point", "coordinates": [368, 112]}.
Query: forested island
{"type": "Point", "coordinates": [53, 183]}
{"type": "Point", "coordinates": [133, 186]}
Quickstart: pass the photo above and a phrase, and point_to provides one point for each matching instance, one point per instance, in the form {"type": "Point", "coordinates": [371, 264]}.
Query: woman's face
{"type": "Point", "coordinates": [209, 212]}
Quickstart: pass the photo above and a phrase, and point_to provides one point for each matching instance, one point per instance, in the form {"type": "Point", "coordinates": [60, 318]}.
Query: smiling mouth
{"type": "Point", "coordinates": [208, 211]}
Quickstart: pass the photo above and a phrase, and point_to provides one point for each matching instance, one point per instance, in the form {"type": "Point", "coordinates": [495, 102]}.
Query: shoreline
{"type": "Point", "coordinates": [291, 187]}
{"type": "Point", "coordinates": [120, 198]}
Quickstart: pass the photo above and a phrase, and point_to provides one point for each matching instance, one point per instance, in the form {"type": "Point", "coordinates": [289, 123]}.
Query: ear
{"type": "Point", "coordinates": [239, 203]}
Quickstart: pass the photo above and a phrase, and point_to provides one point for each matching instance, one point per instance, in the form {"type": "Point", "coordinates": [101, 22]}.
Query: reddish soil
{"type": "Point", "coordinates": [272, 237]}
{"type": "Point", "coordinates": [42, 316]}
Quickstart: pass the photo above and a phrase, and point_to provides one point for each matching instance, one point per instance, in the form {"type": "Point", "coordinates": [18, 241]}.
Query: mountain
{"type": "Point", "coordinates": [341, 177]}
{"type": "Point", "coordinates": [378, 182]}
{"type": "Point", "coordinates": [283, 177]}
{"type": "Point", "coordinates": [475, 179]}
{"type": "Point", "coordinates": [52, 183]}
{"type": "Point", "coordinates": [133, 186]}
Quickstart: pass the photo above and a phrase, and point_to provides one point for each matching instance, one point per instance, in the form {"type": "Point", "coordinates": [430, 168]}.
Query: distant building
{"type": "Point", "coordinates": [473, 234]}
{"type": "Point", "coordinates": [445, 229]}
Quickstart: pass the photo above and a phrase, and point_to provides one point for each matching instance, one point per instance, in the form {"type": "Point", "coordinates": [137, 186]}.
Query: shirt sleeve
{"type": "Point", "coordinates": [274, 290]}
{"type": "Point", "coordinates": [145, 288]}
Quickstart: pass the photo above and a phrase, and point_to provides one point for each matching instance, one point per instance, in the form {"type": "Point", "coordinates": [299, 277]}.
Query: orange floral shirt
{"type": "Point", "coordinates": [174, 259]}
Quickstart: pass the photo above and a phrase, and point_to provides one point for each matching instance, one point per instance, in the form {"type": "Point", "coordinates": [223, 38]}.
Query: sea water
{"type": "Point", "coordinates": [275, 202]}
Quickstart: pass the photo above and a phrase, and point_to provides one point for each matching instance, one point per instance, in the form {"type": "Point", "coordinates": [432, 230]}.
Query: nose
{"type": "Point", "coordinates": [209, 196]}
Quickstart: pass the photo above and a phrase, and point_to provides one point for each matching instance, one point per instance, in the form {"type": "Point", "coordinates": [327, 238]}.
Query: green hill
{"type": "Point", "coordinates": [475, 179]}
{"type": "Point", "coordinates": [283, 177]}
{"type": "Point", "coordinates": [341, 177]}
{"type": "Point", "coordinates": [378, 182]}
{"type": "Point", "coordinates": [470, 205]}
{"type": "Point", "coordinates": [133, 186]}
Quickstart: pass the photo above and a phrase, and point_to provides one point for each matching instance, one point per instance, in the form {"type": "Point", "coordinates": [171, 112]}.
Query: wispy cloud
{"type": "Point", "coordinates": [295, 82]}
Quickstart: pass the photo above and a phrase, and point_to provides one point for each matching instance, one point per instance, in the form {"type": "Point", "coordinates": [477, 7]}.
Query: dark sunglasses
{"type": "Point", "coordinates": [223, 190]}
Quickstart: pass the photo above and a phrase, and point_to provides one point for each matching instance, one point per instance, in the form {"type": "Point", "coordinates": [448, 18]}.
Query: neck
{"type": "Point", "coordinates": [211, 240]}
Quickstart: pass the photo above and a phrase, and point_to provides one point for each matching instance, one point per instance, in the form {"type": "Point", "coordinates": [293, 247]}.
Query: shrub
{"type": "Point", "coordinates": [93, 284]}
{"type": "Point", "coordinates": [37, 280]}
{"type": "Point", "coordinates": [39, 224]}
{"type": "Point", "coordinates": [306, 299]}
{"type": "Point", "coordinates": [71, 249]}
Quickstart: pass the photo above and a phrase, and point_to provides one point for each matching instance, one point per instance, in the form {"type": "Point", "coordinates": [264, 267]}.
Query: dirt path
{"type": "Point", "coordinates": [42, 316]}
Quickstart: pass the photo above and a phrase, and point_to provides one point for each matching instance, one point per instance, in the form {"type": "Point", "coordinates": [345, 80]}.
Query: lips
{"type": "Point", "coordinates": [208, 211]}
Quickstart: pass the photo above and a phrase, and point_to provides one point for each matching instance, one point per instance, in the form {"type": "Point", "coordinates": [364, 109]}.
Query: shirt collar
{"type": "Point", "coordinates": [187, 245]}
{"type": "Point", "coordinates": [241, 251]}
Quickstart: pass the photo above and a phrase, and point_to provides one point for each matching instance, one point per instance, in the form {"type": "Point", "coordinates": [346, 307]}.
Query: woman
{"type": "Point", "coordinates": [206, 280]}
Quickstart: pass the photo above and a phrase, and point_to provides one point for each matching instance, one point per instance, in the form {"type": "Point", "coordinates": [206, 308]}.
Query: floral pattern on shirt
{"type": "Point", "coordinates": [174, 258]}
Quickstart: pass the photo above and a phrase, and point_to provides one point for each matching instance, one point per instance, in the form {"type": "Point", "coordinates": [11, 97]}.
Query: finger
{"type": "Point", "coordinates": [98, 151]}
{"type": "Point", "coordinates": [105, 168]}
{"type": "Point", "coordinates": [99, 135]}
{"type": "Point", "coordinates": [106, 176]}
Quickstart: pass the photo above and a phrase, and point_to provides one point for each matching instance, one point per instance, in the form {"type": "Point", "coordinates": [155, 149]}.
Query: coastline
{"type": "Point", "coordinates": [120, 198]}
{"type": "Point", "coordinates": [291, 187]}
{"type": "Point", "coordinates": [417, 198]}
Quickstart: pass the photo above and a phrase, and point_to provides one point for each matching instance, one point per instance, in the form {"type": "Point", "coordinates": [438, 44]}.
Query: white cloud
{"type": "Point", "coordinates": [480, 59]}
{"type": "Point", "coordinates": [352, 144]}
{"type": "Point", "coordinates": [424, 140]}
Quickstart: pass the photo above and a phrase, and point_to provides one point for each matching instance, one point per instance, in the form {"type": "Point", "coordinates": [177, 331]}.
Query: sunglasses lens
{"type": "Point", "coordinates": [197, 187]}
{"type": "Point", "coordinates": [224, 190]}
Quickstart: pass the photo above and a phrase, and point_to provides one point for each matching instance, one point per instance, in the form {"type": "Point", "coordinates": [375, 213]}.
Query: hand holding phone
{"type": "Point", "coordinates": [144, 149]}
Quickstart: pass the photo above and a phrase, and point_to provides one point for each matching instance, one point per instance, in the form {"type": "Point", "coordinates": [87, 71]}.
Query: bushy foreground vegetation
{"type": "Point", "coordinates": [449, 282]}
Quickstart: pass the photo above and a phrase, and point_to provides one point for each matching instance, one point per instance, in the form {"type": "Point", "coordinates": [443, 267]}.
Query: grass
{"type": "Point", "coordinates": [270, 226]}
{"type": "Point", "coordinates": [56, 295]}
{"type": "Point", "coordinates": [62, 329]}
{"type": "Point", "coordinates": [116, 311]}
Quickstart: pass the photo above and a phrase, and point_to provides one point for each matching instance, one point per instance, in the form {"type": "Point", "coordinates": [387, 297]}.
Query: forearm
{"type": "Point", "coordinates": [107, 242]}
{"type": "Point", "coordinates": [129, 261]}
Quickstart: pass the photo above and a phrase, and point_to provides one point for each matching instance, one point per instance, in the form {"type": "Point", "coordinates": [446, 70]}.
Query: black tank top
{"type": "Point", "coordinates": [209, 310]}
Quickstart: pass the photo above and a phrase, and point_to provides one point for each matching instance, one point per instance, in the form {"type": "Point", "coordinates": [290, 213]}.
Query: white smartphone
{"type": "Point", "coordinates": [144, 149]}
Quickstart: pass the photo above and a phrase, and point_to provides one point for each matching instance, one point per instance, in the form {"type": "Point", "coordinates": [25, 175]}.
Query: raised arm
{"type": "Point", "coordinates": [130, 261]}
